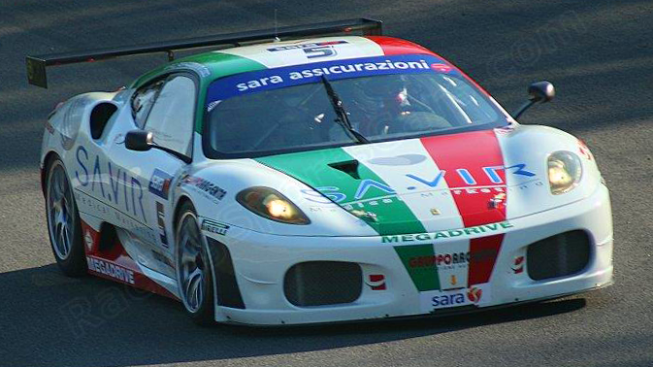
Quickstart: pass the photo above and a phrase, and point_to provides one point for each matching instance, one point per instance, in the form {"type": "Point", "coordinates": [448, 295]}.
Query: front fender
{"type": "Point", "coordinates": [213, 186]}
{"type": "Point", "coordinates": [532, 145]}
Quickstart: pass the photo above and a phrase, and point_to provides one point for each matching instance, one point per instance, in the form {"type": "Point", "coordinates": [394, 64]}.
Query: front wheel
{"type": "Point", "coordinates": [193, 268]}
{"type": "Point", "coordinates": [64, 225]}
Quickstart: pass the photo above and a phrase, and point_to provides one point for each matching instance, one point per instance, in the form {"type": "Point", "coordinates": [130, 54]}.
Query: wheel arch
{"type": "Point", "coordinates": [218, 313]}
{"type": "Point", "coordinates": [183, 199]}
{"type": "Point", "coordinates": [47, 160]}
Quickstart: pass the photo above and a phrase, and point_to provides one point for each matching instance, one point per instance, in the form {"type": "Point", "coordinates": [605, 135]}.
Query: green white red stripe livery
{"type": "Point", "coordinates": [457, 217]}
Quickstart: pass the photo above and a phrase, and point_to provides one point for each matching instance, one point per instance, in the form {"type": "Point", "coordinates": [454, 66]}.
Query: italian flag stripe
{"type": "Point", "coordinates": [474, 152]}
{"type": "Point", "coordinates": [312, 168]}
{"type": "Point", "coordinates": [395, 163]}
{"type": "Point", "coordinates": [466, 158]}
{"type": "Point", "coordinates": [425, 278]}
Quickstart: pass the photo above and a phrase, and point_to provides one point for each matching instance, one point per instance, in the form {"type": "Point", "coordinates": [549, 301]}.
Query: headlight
{"type": "Point", "coordinates": [271, 204]}
{"type": "Point", "coordinates": [565, 171]}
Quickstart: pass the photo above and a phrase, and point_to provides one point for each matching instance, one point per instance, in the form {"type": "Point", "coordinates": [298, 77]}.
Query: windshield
{"type": "Point", "coordinates": [385, 98]}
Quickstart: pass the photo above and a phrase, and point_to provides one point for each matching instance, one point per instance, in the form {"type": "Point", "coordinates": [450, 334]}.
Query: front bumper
{"type": "Point", "coordinates": [261, 261]}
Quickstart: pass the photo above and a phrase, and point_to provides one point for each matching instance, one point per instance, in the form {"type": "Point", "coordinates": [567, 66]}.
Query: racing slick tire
{"type": "Point", "coordinates": [64, 224]}
{"type": "Point", "coordinates": [194, 274]}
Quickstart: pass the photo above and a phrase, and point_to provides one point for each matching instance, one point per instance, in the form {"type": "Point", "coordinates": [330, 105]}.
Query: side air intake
{"type": "Point", "coordinates": [558, 256]}
{"type": "Point", "coordinates": [320, 283]}
{"type": "Point", "coordinates": [224, 276]}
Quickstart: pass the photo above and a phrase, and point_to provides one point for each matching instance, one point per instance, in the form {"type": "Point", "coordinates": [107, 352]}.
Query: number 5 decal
{"type": "Point", "coordinates": [319, 51]}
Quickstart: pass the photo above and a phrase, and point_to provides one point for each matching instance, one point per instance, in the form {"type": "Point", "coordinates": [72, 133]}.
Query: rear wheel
{"type": "Point", "coordinates": [64, 225]}
{"type": "Point", "coordinates": [193, 268]}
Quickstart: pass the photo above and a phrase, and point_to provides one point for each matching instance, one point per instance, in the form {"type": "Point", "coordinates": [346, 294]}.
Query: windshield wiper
{"type": "Point", "coordinates": [343, 118]}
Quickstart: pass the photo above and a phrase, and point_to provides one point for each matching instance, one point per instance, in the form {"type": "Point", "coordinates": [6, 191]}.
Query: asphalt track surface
{"type": "Point", "coordinates": [599, 55]}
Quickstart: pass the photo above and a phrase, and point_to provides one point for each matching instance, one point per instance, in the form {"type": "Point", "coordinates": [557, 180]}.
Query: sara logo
{"type": "Point", "coordinates": [458, 298]}
{"type": "Point", "coordinates": [474, 294]}
{"type": "Point", "coordinates": [334, 194]}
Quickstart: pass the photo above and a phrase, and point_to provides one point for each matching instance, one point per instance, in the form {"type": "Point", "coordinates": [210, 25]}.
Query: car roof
{"type": "Point", "coordinates": [217, 64]}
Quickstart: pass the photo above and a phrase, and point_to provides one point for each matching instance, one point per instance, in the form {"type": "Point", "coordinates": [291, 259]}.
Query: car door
{"type": "Point", "coordinates": [165, 107]}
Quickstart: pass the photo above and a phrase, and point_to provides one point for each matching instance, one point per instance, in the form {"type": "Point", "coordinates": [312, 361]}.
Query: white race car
{"type": "Point", "coordinates": [301, 180]}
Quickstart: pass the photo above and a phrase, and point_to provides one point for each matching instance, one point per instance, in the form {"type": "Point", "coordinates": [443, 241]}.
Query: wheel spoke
{"type": "Point", "coordinates": [55, 194]}
{"type": "Point", "coordinates": [60, 218]}
{"type": "Point", "coordinates": [61, 240]}
{"type": "Point", "coordinates": [199, 292]}
{"type": "Point", "coordinates": [190, 265]}
{"type": "Point", "coordinates": [187, 258]}
{"type": "Point", "coordinates": [58, 183]}
{"type": "Point", "coordinates": [66, 239]}
{"type": "Point", "coordinates": [194, 281]}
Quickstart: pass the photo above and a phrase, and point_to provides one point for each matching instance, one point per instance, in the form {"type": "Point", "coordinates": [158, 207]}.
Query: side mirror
{"type": "Point", "coordinates": [539, 92]}
{"type": "Point", "coordinates": [139, 140]}
{"type": "Point", "coordinates": [142, 141]}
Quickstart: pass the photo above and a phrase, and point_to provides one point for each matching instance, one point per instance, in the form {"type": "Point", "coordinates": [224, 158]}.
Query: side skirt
{"type": "Point", "coordinates": [106, 258]}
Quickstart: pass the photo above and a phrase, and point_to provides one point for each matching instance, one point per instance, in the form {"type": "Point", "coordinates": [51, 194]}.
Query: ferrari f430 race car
{"type": "Point", "coordinates": [309, 175]}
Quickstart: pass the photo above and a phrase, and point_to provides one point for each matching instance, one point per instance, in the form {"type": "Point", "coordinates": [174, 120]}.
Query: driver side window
{"type": "Point", "coordinates": [142, 102]}
{"type": "Point", "coordinates": [171, 116]}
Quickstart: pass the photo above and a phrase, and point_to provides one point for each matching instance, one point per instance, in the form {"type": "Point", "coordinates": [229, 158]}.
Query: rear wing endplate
{"type": "Point", "coordinates": [36, 65]}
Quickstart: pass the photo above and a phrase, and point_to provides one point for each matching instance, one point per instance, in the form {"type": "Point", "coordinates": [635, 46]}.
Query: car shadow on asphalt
{"type": "Point", "coordinates": [50, 320]}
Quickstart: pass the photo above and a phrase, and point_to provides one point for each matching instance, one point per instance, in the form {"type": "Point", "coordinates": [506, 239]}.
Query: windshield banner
{"type": "Point", "coordinates": [269, 79]}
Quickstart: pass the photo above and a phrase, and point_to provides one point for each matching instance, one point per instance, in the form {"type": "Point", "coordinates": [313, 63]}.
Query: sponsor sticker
{"type": "Point", "coordinates": [584, 150]}
{"type": "Point", "coordinates": [204, 187]}
{"type": "Point", "coordinates": [313, 50]}
{"type": "Point", "coordinates": [498, 201]}
{"type": "Point", "coordinates": [89, 204]}
{"type": "Point", "coordinates": [111, 184]}
{"type": "Point", "coordinates": [462, 233]}
{"type": "Point", "coordinates": [505, 130]}
{"type": "Point", "coordinates": [478, 295]}
{"type": "Point", "coordinates": [301, 74]}
{"type": "Point", "coordinates": [518, 266]}
{"type": "Point", "coordinates": [160, 184]}
{"type": "Point", "coordinates": [111, 270]}
{"type": "Point", "coordinates": [160, 219]}
{"type": "Point", "coordinates": [371, 192]}
{"type": "Point", "coordinates": [441, 67]}
{"type": "Point", "coordinates": [89, 240]}
{"type": "Point", "coordinates": [376, 282]}
{"type": "Point", "coordinates": [215, 227]}
{"type": "Point", "coordinates": [202, 70]}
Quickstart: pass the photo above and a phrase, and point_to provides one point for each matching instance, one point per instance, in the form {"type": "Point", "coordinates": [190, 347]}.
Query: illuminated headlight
{"type": "Point", "coordinates": [565, 171]}
{"type": "Point", "coordinates": [269, 203]}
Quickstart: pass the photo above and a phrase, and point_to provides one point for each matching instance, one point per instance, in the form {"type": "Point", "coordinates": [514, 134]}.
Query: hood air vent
{"type": "Point", "coordinates": [348, 167]}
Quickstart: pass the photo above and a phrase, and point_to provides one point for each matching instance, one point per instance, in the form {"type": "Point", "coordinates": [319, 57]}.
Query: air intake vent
{"type": "Point", "coordinates": [224, 275]}
{"type": "Point", "coordinates": [558, 256]}
{"type": "Point", "coordinates": [319, 283]}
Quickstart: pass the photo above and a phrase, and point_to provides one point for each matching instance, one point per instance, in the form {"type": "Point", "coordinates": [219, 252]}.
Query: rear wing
{"type": "Point", "coordinates": [36, 65]}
